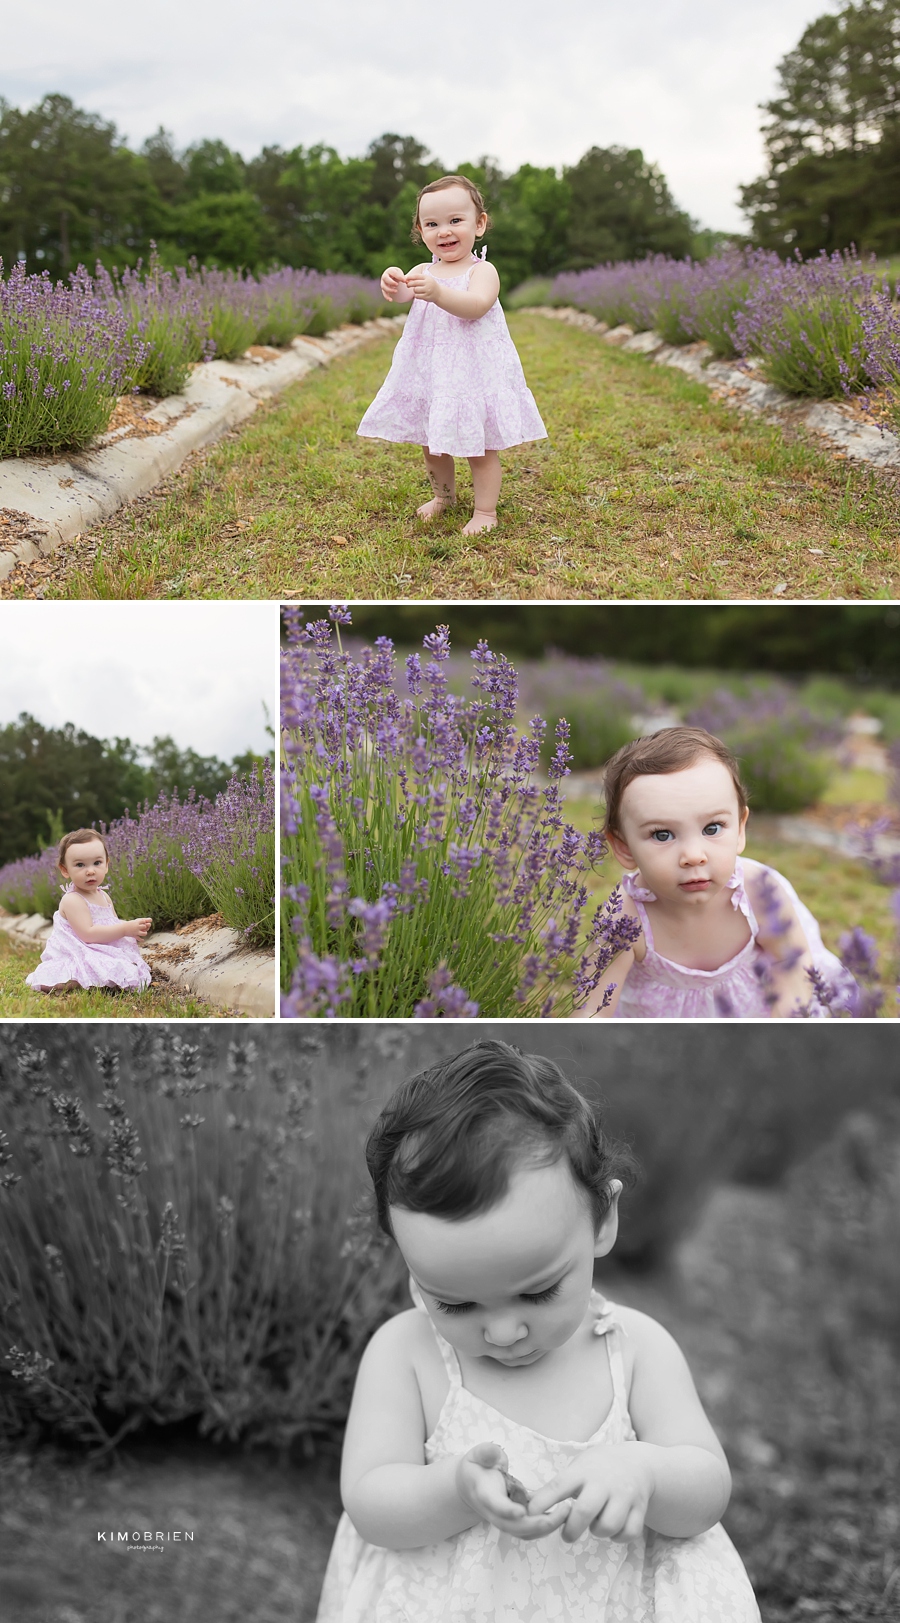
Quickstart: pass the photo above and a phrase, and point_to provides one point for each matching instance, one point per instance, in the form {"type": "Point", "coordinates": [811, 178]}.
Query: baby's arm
{"type": "Point", "coordinates": [482, 292]}
{"type": "Point", "coordinates": [781, 936]}
{"type": "Point", "coordinates": [393, 1498]}
{"type": "Point", "coordinates": [673, 1479]}
{"type": "Point", "coordinates": [77, 914]}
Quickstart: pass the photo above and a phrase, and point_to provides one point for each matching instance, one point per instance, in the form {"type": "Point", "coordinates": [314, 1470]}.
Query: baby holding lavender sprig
{"type": "Point", "coordinates": [719, 935]}
{"type": "Point", "coordinates": [456, 385]}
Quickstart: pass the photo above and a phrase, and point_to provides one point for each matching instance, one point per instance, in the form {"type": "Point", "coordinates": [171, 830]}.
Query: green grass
{"type": "Point", "coordinates": [19, 1002]}
{"type": "Point", "coordinates": [839, 891]}
{"type": "Point", "coordinates": [647, 487]}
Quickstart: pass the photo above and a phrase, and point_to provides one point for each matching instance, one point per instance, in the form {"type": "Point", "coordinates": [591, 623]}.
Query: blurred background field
{"type": "Point", "coordinates": [211, 1300]}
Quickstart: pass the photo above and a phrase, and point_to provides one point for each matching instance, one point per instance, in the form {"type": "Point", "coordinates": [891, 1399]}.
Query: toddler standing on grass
{"type": "Point", "coordinates": [456, 385]}
{"type": "Point", "coordinates": [518, 1449]}
{"type": "Point", "coordinates": [721, 936]}
{"type": "Point", "coordinates": [88, 945]}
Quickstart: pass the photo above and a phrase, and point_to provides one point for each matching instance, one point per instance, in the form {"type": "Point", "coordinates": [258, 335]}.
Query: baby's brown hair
{"type": "Point", "coordinates": [670, 750]}
{"type": "Point", "coordinates": [79, 836]}
{"type": "Point", "coordinates": [442, 186]}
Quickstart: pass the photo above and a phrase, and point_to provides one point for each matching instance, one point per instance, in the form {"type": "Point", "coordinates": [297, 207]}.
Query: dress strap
{"type": "Point", "coordinates": [451, 1362]}
{"type": "Point", "coordinates": [639, 895]}
{"type": "Point", "coordinates": [740, 901]}
{"type": "Point", "coordinates": [606, 1324]}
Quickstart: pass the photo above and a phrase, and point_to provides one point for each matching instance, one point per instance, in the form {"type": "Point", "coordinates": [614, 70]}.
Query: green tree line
{"type": "Point", "coordinates": [56, 778]}
{"type": "Point", "coordinates": [832, 137]}
{"type": "Point", "coordinates": [858, 643]}
{"type": "Point", "coordinates": [72, 191]}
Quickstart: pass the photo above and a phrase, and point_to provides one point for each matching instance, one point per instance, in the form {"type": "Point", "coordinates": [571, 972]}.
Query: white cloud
{"type": "Point", "coordinates": [197, 671]}
{"type": "Point", "coordinates": [526, 82]}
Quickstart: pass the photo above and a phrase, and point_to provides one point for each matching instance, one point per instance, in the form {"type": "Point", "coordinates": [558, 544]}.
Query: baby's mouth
{"type": "Point", "coordinates": [695, 884]}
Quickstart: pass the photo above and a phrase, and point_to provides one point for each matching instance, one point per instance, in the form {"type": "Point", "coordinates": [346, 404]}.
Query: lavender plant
{"type": "Point", "coordinates": [150, 875]}
{"type": "Point", "coordinates": [163, 309]}
{"type": "Point", "coordinates": [65, 356]}
{"type": "Point", "coordinates": [718, 290]}
{"type": "Point", "coordinates": [805, 320]}
{"type": "Point", "coordinates": [231, 851]}
{"type": "Point", "coordinates": [424, 870]}
{"type": "Point", "coordinates": [178, 1232]}
{"type": "Point", "coordinates": [31, 885]}
{"type": "Point", "coordinates": [881, 337]}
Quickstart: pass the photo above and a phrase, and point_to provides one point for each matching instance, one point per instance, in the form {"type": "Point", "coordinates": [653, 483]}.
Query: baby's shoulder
{"type": "Point", "coordinates": [406, 1335]}
{"type": "Point", "coordinates": [644, 1340]}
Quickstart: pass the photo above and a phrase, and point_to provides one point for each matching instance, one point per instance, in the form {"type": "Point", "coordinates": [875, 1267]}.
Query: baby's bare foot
{"type": "Point", "coordinates": [435, 507]}
{"type": "Point", "coordinates": [480, 521]}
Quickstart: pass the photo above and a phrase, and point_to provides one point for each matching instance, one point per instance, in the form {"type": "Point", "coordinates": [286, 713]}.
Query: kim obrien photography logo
{"type": "Point", "coordinates": [147, 1540]}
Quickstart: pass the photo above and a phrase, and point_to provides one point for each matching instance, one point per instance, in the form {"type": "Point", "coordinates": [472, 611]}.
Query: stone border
{"type": "Point", "coordinates": [837, 424]}
{"type": "Point", "coordinates": [52, 499]}
{"type": "Point", "coordinates": [205, 957]}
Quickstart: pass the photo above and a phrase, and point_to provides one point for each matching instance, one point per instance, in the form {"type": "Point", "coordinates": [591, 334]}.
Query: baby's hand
{"type": "Point", "coordinates": [139, 928]}
{"type": "Point", "coordinates": [422, 286]}
{"type": "Point", "coordinates": [391, 282]}
{"type": "Point", "coordinates": [611, 1486]}
{"type": "Point", "coordinates": [481, 1484]}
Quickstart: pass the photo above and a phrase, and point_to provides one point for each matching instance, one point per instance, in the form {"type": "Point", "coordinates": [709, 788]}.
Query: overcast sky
{"type": "Point", "coordinates": [531, 81]}
{"type": "Point", "coordinates": [196, 671]}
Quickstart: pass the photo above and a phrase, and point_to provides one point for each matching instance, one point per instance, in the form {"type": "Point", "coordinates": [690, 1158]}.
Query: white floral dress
{"type": "Point", "coordinates": [485, 1576]}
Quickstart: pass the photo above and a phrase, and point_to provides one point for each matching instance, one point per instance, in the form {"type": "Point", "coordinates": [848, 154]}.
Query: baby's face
{"type": "Point", "coordinates": [511, 1283]}
{"type": "Point", "coordinates": [449, 223]}
{"type": "Point", "coordinates": [86, 865]}
{"type": "Point", "coordinates": [683, 830]}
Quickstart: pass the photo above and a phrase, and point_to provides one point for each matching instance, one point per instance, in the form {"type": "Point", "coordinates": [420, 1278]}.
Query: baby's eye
{"type": "Point", "coordinates": [713, 828]}
{"type": "Point", "coordinates": [454, 1307]}
{"type": "Point", "coordinates": [662, 836]}
{"type": "Point", "coordinates": [542, 1296]}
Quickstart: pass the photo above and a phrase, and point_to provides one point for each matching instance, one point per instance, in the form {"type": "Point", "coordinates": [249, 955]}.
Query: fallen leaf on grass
{"type": "Point", "coordinates": [817, 552]}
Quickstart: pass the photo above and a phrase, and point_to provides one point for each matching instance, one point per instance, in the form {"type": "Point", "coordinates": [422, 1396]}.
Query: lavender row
{"type": "Point", "coordinates": [176, 861]}
{"type": "Point", "coordinates": [69, 349]}
{"type": "Point", "coordinates": [826, 327]}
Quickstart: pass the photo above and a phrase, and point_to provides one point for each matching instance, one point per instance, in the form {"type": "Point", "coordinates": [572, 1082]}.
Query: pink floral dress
{"type": "Point", "coordinates": [485, 1576]}
{"type": "Point", "coordinates": [454, 386]}
{"type": "Point", "coordinates": [660, 989]}
{"type": "Point", "coordinates": [91, 963]}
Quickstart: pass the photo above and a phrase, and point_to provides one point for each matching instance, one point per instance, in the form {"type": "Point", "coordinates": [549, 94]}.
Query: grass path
{"type": "Point", "coordinates": [19, 1002]}
{"type": "Point", "coordinates": [647, 488]}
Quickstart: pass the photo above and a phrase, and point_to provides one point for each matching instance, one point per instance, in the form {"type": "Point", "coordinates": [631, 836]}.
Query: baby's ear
{"type": "Point", "coordinates": [620, 850]}
{"type": "Point", "coordinates": [609, 1227]}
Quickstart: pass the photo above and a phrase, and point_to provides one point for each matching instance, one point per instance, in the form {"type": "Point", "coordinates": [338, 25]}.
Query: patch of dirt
{"type": "Point", "coordinates": [16, 526]}
{"type": "Point", "coordinates": [213, 921]}
{"type": "Point", "coordinates": [130, 420]}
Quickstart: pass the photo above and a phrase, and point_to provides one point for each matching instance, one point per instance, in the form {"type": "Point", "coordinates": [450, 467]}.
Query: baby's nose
{"type": "Point", "coordinates": [504, 1332]}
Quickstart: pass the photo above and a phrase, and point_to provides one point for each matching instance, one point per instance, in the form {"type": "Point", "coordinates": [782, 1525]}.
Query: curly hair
{"type": "Point", "coordinates": [448, 1141]}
